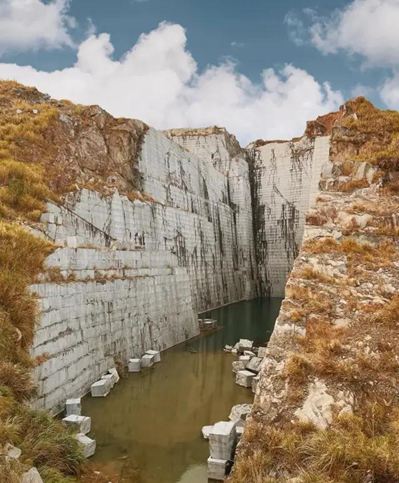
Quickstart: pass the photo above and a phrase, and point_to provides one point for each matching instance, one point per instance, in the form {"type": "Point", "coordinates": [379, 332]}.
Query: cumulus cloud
{"type": "Point", "coordinates": [365, 27]}
{"type": "Point", "coordinates": [33, 24]}
{"type": "Point", "coordinates": [158, 81]}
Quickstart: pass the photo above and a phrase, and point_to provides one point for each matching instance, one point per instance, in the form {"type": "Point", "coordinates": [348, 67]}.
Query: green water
{"type": "Point", "coordinates": [148, 429]}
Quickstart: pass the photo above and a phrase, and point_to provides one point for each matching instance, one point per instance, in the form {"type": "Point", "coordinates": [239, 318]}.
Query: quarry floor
{"type": "Point", "coordinates": [148, 430]}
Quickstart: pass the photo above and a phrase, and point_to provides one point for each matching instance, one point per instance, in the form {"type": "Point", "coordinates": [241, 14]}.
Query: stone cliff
{"type": "Point", "coordinates": [114, 236]}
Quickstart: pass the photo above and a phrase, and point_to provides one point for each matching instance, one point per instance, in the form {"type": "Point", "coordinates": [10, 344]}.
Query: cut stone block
{"type": "Point", "coordinates": [244, 378]}
{"type": "Point", "coordinates": [134, 365]}
{"type": "Point", "coordinates": [73, 406]}
{"type": "Point", "coordinates": [31, 476]}
{"type": "Point", "coordinates": [114, 374]}
{"type": "Point", "coordinates": [147, 360]}
{"type": "Point", "coordinates": [100, 388]}
{"type": "Point", "coordinates": [110, 379]}
{"type": "Point", "coordinates": [249, 353]}
{"type": "Point", "coordinates": [254, 364]}
{"type": "Point", "coordinates": [245, 344]}
{"type": "Point", "coordinates": [82, 424]}
{"type": "Point", "coordinates": [222, 439]}
{"type": "Point", "coordinates": [239, 412]}
{"type": "Point", "coordinates": [244, 358]}
{"type": "Point", "coordinates": [254, 384]}
{"type": "Point", "coordinates": [262, 351]}
{"type": "Point", "coordinates": [216, 469]}
{"type": "Point", "coordinates": [87, 445]}
{"type": "Point", "coordinates": [156, 354]}
{"type": "Point", "coordinates": [238, 366]}
{"type": "Point", "coordinates": [206, 431]}
{"type": "Point", "coordinates": [240, 431]}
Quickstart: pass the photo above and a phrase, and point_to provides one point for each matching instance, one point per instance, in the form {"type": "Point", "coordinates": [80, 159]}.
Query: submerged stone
{"type": "Point", "coordinates": [217, 468]}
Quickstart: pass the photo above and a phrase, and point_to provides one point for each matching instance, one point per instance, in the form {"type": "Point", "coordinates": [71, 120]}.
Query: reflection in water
{"type": "Point", "coordinates": [149, 428]}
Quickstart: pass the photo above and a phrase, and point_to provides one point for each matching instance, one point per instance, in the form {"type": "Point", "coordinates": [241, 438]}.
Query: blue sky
{"type": "Point", "coordinates": [208, 61]}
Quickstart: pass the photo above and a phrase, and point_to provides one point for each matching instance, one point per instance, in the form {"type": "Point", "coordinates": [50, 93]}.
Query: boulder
{"type": "Point", "coordinates": [239, 412]}
{"type": "Point", "coordinates": [31, 476]}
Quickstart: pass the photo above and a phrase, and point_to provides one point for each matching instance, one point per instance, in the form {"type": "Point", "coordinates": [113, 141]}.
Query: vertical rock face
{"type": "Point", "coordinates": [130, 275]}
{"type": "Point", "coordinates": [285, 177]}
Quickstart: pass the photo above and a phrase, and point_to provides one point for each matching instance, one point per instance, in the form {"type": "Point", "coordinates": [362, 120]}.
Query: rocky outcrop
{"type": "Point", "coordinates": [332, 361]}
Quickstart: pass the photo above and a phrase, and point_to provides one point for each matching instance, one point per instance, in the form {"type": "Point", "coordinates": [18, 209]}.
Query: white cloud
{"type": "Point", "coordinates": [33, 24]}
{"type": "Point", "coordinates": [158, 81]}
{"type": "Point", "coordinates": [365, 27]}
{"type": "Point", "coordinates": [390, 91]}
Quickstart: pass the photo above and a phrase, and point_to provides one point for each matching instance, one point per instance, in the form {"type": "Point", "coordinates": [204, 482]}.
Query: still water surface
{"type": "Point", "coordinates": [148, 430]}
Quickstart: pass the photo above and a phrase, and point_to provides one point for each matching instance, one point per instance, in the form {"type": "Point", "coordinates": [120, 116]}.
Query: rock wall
{"type": "Point", "coordinates": [285, 177]}
{"type": "Point", "coordinates": [130, 275]}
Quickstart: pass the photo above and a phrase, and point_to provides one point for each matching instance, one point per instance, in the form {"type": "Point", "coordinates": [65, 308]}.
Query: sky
{"type": "Point", "coordinates": [261, 68]}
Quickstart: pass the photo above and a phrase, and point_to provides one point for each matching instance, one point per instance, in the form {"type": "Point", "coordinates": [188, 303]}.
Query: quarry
{"type": "Point", "coordinates": [115, 237]}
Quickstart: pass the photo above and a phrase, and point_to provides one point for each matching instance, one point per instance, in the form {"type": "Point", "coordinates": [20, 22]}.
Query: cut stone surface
{"type": "Point", "coordinates": [134, 365]}
{"type": "Point", "coordinates": [254, 364]}
{"type": "Point", "coordinates": [82, 424]}
{"type": "Point", "coordinates": [32, 476]}
{"type": "Point", "coordinates": [249, 353]}
{"type": "Point", "coordinates": [216, 468]}
{"type": "Point", "coordinates": [147, 360]}
{"type": "Point", "coordinates": [238, 366]}
{"type": "Point", "coordinates": [73, 406]}
{"type": "Point", "coordinates": [222, 439]}
{"type": "Point", "coordinates": [205, 431]}
{"type": "Point", "coordinates": [87, 445]}
{"type": "Point", "coordinates": [113, 371]}
{"type": "Point", "coordinates": [244, 358]}
{"type": "Point", "coordinates": [110, 378]}
{"type": "Point", "coordinates": [239, 412]}
{"type": "Point", "coordinates": [156, 354]}
{"type": "Point", "coordinates": [244, 378]}
{"type": "Point", "coordinates": [100, 388]}
{"type": "Point", "coordinates": [245, 344]}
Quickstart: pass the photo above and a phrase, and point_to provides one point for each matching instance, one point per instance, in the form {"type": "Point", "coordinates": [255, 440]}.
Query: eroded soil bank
{"type": "Point", "coordinates": [149, 429]}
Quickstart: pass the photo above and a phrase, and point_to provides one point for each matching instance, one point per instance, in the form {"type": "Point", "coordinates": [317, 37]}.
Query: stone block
{"type": "Point", "coordinates": [222, 439]}
{"type": "Point", "coordinates": [147, 360]}
{"type": "Point", "coordinates": [113, 371]}
{"type": "Point", "coordinates": [100, 388]}
{"type": "Point", "coordinates": [81, 424]}
{"type": "Point", "coordinates": [217, 468]}
{"type": "Point", "coordinates": [110, 379]}
{"type": "Point", "coordinates": [244, 358]}
{"type": "Point", "coordinates": [156, 354]}
{"type": "Point", "coordinates": [249, 353]}
{"type": "Point", "coordinates": [238, 366]}
{"type": "Point", "coordinates": [73, 406]}
{"type": "Point", "coordinates": [87, 445]}
{"type": "Point", "coordinates": [134, 365]}
{"type": "Point", "coordinates": [244, 378]}
{"type": "Point", "coordinates": [254, 364]}
{"type": "Point", "coordinates": [205, 431]}
{"type": "Point", "coordinates": [245, 344]}
{"type": "Point", "coordinates": [31, 476]}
